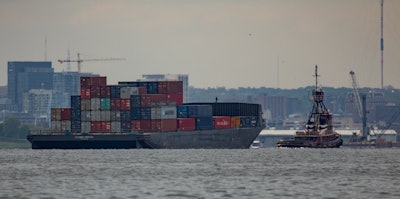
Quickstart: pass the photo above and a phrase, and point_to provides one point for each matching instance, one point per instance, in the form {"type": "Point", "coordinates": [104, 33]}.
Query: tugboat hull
{"type": "Point", "coordinates": [292, 143]}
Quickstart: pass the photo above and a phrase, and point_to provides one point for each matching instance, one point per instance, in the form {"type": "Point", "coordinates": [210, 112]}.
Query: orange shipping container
{"type": "Point", "coordinates": [235, 122]}
{"type": "Point", "coordinates": [164, 125]}
{"type": "Point", "coordinates": [141, 125]}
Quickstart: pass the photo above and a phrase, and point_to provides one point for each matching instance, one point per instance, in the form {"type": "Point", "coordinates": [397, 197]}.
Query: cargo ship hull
{"type": "Point", "coordinates": [86, 141]}
{"type": "Point", "coordinates": [234, 138]}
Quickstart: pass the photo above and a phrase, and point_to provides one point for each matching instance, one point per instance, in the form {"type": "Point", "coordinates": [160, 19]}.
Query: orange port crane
{"type": "Point", "coordinates": [79, 61]}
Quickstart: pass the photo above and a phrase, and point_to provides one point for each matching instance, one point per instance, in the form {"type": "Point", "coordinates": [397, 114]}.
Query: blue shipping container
{"type": "Point", "coordinates": [151, 87]}
{"type": "Point", "coordinates": [135, 113]}
{"type": "Point", "coordinates": [135, 100]}
{"type": "Point", "coordinates": [248, 121]}
{"type": "Point", "coordinates": [145, 113]}
{"type": "Point", "coordinates": [125, 116]}
{"type": "Point", "coordinates": [75, 102]}
{"type": "Point", "coordinates": [204, 123]}
{"type": "Point", "coordinates": [76, 115]}
{"type": "Point", "coordinates": [200, 111]}
{"type": "Point", "coordinates": [182, 111]}
{"type": "Point", "coordinates": [115, 91]}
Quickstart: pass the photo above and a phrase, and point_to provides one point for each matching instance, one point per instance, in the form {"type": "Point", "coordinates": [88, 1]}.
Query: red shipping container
{"type": "Point", "coordinates": [85, 93]}
{"type": "Point", "coordinates": [186, 124]}
{"type": "Point", "coordinates": [105, 126]}
{"type": "Point", "coordinates": [126, 104]}
{"type": "Point", "coordinates": [148, 100]}
{"type": "Point", "coordinates": [222, 122]}
{"type": "Point", "coordinates": [95, 81]}
{"type": "Point", "coordinates": [168, 125]}
{"type": "Point", "coordinates": [102, 81]}
{"type": "Point", "coordinates": [175, 98]}
{"type": "Point", "coordinates": [115, 104]}
{"type": "Point", "coordinates": [142, 90]}
{"type": "Point", "coordinates": [65, 113]}
{"type": "Point", "coordinates": [95, 127]}
{"type": "Point", "coordinates": [170, 87]}
{"type": "Point", "coordinates": [104, 92]}
{"type": "Point", "coordinates": [141, 125]}
{"type": "Point", "coordinates": [86, 82]}
{"type": "Point", "coordinates": [95, 92]}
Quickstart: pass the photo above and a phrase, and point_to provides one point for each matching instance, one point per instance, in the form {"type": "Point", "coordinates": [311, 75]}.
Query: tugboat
{"type": "Point", "coordinates": [319, 131]}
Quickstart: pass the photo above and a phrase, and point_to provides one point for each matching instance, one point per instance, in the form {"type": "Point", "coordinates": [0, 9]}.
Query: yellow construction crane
{"type": "Point", "coordinates": [79, 61]}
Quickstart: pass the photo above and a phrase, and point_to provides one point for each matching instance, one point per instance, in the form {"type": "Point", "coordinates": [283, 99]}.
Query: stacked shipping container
{"type": "Point", "coordinates": [144, 107]}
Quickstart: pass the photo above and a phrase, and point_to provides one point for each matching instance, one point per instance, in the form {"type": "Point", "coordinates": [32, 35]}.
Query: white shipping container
{"type": "Point", "coordinates": [95, 116]}
{"type": "Point", "coordinates": [56, 126]}
{"type": "Point", "coordinates": [115, 126]}
{"type": "Point", "coordinates": [85, 127]}
{"type": "Point", "coordinates": [95, 104]}
{"type": "Point", "coordinates": [85, 116]}
{"type": "Point", "coordinates": [85, 104]}
{"type": "Point", "coordinates": [156, 113]}
{"type": "Point", "coordinates": [55, 114]}
{"type": "Point", "coordinates": [168, 112]}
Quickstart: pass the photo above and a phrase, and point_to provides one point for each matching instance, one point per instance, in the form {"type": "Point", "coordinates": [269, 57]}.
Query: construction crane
{"type": "Point", "coordinates": [356, 93]}
{"type": "Point", "coordinates": [79, 61]}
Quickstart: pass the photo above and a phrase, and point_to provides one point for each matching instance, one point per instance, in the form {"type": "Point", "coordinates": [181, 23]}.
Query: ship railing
{"type": "Point", "coordinates": [50, 132]}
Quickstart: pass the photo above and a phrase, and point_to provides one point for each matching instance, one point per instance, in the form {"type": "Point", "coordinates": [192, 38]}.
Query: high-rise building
{"type": "Point", "coordinates": [66, 84]}
{"type": "Point", "coordinates": [24, 76]}
{"type": "Point", "coordinates": [172, 77]}
{"type": "Point", "coordinates": [37, 102]}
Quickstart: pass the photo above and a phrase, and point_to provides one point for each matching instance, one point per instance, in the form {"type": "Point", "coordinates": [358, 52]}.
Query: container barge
{"type": "Point", "coordinates": [146, 115]}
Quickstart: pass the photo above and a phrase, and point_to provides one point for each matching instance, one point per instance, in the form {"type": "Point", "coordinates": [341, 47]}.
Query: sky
{"type": "Point", "coordinates": [218, 43]}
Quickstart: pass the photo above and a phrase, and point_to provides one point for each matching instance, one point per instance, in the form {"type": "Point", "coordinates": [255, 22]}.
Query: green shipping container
{"type": "Point", "coordinates": [105, 104]}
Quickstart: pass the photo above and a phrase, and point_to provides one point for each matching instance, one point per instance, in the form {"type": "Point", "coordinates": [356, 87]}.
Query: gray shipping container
{"type": "Point", "coordinates": [115, 126]}
{"type": "Point", "coordinates": [115, 116]}
{"type": "Point", "coordinates": [85, 116]}
{"type": "Point", "coordinates": [126, 92]}
{"type": "Point", "coordinates": [85, 104]}
{"type": "Point", "coordinates": [95, 104]}
{"type": "Point", "coordinates": [105, 116]}
{"type": "Point", "coordinates": [66, 125]}
{"type": "Point", "coordinates": [85, 127]}
{"type": "Point", "coordinates": [56, 126]}
{"type": "Point", "coordinates": [95, 116]}
{"type": "Point", "coordinates": [163, 112]}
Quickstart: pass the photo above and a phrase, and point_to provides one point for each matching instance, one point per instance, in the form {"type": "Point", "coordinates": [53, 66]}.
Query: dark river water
{"type": "Point", "coordinates": [250, 173]}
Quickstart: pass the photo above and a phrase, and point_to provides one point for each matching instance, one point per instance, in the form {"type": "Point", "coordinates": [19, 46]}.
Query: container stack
{"type": "Point", "coordinates": [155, 106]}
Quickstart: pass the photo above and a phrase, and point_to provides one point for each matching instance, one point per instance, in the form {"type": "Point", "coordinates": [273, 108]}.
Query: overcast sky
{"type": "Point", "coordinates": [231, 43]}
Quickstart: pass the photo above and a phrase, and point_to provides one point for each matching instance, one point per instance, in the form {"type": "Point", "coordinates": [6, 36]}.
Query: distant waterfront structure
{"type": "Point", "coordinates": [26, 75]}
{"type": "Point", "coordinates": [173, 77]}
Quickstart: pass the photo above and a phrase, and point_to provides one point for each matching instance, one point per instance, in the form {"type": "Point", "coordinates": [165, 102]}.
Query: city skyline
{"type": "Point", "coordinates": [217, 43]}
